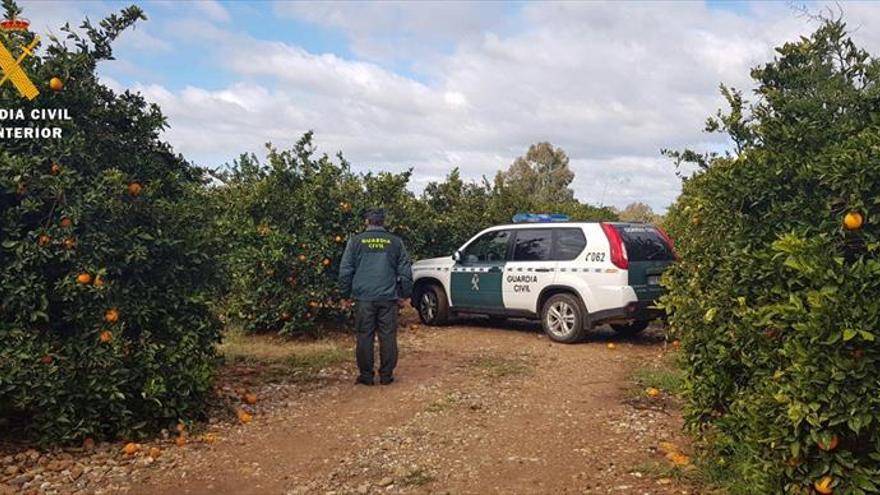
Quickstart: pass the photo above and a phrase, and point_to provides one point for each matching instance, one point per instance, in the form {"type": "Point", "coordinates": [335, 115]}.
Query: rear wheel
{"type": "Point", "coordinates": [563, 318]}
{"type": "Point", "coordinates": [432, 305]}
{"type": "Point", "coordinates": [630, 329]}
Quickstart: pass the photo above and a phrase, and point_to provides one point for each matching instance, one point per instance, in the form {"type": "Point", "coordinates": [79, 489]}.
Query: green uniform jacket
{"type": "Point", "coordinates": [375, 267]}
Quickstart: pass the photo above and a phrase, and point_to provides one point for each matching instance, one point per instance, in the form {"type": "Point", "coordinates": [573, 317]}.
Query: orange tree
{"type": "Point", "coordinates": [775, 296]}
{"type": "Point", "coordinates": [285, 222]}
{"type": "Point", "coordinates": [104, 324]}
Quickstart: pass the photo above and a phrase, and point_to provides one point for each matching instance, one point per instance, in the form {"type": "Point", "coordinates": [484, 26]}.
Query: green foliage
{"type": "Point", "coordinates": [640, 213]}
{"type": "Point", "coordinates": [775, 300]}
{"type": "Point", "coordinates": [284, 224]}
{"type": "Point", "coordinates": [143, 253]}
{"type": "Point", "coordinates": [543, 174]}
{"type": "Point", "coordinates": [279, 220]}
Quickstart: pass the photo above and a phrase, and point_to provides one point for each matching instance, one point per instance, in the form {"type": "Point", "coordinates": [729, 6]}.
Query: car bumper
{"type": "Point", "coordinates": [636, 310]}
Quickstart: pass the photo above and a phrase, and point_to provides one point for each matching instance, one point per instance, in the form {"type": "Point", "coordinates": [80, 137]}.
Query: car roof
{"type": "Point", "coordinates": [526, 225]}
{"type": "Point", "coordinates": [531, 225]}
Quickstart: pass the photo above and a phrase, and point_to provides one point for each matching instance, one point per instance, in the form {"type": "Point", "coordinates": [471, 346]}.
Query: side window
{"type": "Point", "coordinates": [491, 246]}
{"type": "Point", "coordinates": [569, 244]}
{"type": "Point", "coordinates": [533, 245]}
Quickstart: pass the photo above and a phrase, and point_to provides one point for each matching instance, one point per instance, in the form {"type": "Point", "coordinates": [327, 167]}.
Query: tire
{"type": "Point", "coordinates": [563, 318]}
{"type": "Point", "coordinates": [432, 305]}
{"type": "Point", "coordinates": [630, 329]}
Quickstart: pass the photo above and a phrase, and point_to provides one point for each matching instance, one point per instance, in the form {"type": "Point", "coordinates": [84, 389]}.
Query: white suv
{"type": "Point", "coordinates": [572, 276]}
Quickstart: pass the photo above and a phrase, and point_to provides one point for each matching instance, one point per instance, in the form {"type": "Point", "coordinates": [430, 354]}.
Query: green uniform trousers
{"type": "Point", "coordinates": [373, 317]}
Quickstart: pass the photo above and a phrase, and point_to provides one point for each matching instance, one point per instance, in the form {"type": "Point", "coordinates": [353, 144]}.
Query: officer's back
{"type": "Point", "coordinates": [377, 257]}
{"type": "Point", "coordinates": [376, 272]}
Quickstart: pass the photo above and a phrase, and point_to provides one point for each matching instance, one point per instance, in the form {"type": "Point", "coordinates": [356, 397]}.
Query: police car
{"type": "Point", "coordinates": [571, 275]}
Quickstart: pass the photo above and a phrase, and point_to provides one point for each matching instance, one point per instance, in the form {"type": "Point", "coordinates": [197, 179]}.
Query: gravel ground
{"type": "Point", "coordinates": [475, 409]}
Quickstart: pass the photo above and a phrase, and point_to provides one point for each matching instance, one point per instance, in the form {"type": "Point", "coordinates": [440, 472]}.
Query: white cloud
{"type": "Point", "coordinates": [611, 83]}
{"type": "Point", "coordinates": [212, 9]}
{"type": "Point", "coordinates": [399, 31]}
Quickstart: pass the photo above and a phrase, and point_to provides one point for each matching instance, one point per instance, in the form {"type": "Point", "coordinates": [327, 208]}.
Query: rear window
{"type": "Point", "coordinates": [569, 244]}
{"type": "Point", "coordinates": [644, 243]}
{"type": "Point", "coordinates": [533, 245]}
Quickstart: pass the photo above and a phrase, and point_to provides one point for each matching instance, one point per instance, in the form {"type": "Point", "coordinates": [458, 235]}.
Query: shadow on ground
{"type": "Point", "coordinates": [655, 333]}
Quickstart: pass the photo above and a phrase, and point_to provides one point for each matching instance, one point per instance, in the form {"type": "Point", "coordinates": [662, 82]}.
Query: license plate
{"type": "Point", "coordinates": [654, 280]}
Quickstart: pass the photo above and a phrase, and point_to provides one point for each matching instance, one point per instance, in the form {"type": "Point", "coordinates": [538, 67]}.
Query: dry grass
{"type": "Point", "coordinates": [502, 366]}
{"type": "Point", "coordinates": [665, 374]}
{"type": "Point", "coordinates": [309, 356]}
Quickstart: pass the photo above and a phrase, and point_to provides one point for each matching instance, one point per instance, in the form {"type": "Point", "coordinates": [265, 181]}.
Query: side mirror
{"type": "Point", "coordinates": [456, 256]}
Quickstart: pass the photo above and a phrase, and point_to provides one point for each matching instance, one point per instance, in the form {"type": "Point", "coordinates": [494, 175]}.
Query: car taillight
{"type": "Point", "coordinates": [668, 240]}
{"type": "Point", "coordinates": [618, 251]}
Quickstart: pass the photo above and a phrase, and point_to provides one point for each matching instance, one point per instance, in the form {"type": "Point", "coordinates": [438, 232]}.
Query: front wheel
{"type": "Point", "coordinates": [631, 328]}
{"type": "Point", "coordinates": [432, 305]}
{"type": "Point", "coordinates": [563, 318]}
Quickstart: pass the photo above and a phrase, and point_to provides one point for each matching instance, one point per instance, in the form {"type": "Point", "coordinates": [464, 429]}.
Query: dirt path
{"type": "Point", "coordinates": [474, 410]}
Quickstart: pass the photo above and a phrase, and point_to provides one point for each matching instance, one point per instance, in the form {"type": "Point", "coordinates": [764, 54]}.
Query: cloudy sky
{"type": "Point", "coordinates": [437, 85]}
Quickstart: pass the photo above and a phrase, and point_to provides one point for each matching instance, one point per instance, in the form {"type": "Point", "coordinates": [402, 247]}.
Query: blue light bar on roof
{"type": "Point", "coordinates": [539, 217]}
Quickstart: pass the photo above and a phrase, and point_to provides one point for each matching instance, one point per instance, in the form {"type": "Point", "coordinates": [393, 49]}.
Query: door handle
{"type": "Point", "coordinates": [494, 269]}
{"type": "Point", "coordinates": [542, 269]}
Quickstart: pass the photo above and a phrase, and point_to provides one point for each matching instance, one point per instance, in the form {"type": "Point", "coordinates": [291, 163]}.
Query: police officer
{"type": "Point", "coordinates": [376, 272]}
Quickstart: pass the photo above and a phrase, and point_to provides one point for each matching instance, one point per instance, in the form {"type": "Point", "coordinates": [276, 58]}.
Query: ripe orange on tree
{"type": "Point", "coordinates": [831, 445]}
{"type": "Point", "coordinates": [823, 485]}
{"type": "Point", "coordinates": [106, 336]}
{"type": "Point", "coordinates": [69, 243]}
{"type": "Point", "coordinates": [56, 84]}
{"type": "Point", "coordinates": [853, 220]}
{"type": "Point", "coordinates": [111, 316]}
{"type": "Point", "coordinates": [43, 240]}
{"type": "Point", "coordinates": [65, 223]}
{"type": "Point", "coordinates": [301, 257]}
{"type": "Point", "coordinates": [55, 169]}
{"type": "Point", "coordinates": [47, 359]}
{"type": "Point", "coordinates": [135, 189]}
{"type": "Point", "coordinates": [326, 262]}
{"type": "Point", "coordinates": [84, 278]}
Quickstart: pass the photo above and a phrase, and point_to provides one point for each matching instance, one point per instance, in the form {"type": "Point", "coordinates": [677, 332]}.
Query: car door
{"type": "Point", "coordinates": [649, 253]}
{"type": "Point", "coordinates": [476, 276]}
{"type": "Point", "coordinates": [530, 269]}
